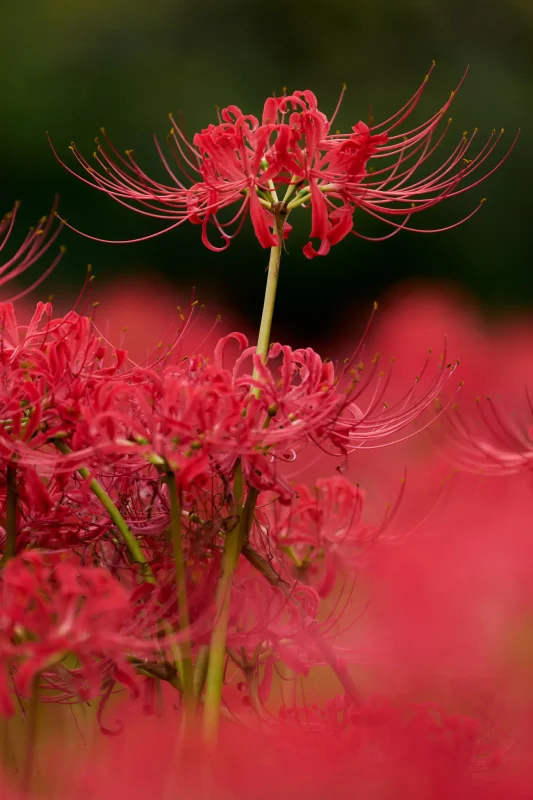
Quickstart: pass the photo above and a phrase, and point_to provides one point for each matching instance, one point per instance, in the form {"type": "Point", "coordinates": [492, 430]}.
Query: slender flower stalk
{"type": "Point", "coordinates": [217, 648]}
{"type": "Point", "coordinates": [237, 538]}
{"type": "Point", "coordinates": [182, 658]}
{"type": "Point", "coordinates": [200, 670]}
{"type": "Point", "coordinates": [122, 526]}
{"type": "Point", "coordinates": [263, 340]}
{"type": "Point", "coordinates": [181, 590]}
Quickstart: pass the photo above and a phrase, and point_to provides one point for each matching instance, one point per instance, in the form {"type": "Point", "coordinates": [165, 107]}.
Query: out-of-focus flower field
{"type": "Point", "coordinates": [439, 611]}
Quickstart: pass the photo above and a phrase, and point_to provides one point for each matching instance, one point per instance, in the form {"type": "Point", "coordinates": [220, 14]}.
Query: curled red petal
{"type": "Point", "coordinates": [257, 215]}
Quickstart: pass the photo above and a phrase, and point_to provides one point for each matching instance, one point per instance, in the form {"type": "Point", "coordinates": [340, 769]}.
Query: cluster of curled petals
{"type": "Point", "coordinates": [344, 406]}
{"type": "Point", "coordinates": [322, 530]}
{"type": "Point", "coordinates": [198, 418]}
{"type": "Point", "coordinates": [61, 383]}
{"type": "Point", "coordinates": [267, 167]}
{"type": "Point", "coordinates": [54, 610]}
{"type": "Point", "coordinates": [49, 368]}
{"type": "Point", "coordinates": [270, 626]}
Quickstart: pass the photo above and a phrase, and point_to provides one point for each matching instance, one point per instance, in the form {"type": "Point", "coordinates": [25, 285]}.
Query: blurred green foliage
{"type": "Point", "coordinates": [71, 67]}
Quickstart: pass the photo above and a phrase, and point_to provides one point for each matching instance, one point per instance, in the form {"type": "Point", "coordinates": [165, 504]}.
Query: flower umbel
{"type": "Point", "coordinates": [290, 158]}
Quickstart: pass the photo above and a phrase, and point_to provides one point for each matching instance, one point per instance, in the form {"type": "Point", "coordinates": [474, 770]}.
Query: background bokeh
{"type": "Point", "coordinates": [71, 67]}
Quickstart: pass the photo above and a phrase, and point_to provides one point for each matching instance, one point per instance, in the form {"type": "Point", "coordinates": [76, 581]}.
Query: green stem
{"type": "Point", "coordinates": [238, 537]}
{"type": "Point", "coordinates": [262, 565]}
{"type": "Point", "coordinates": [130, 541]}
{"type": "Point", "coordinates": [253, 692]}
{"type": "Point", "coordinates": [290, 188]}
{"type": "Point", "coordinates": [163, 671]}
{"type": "Point", "coordinates": [133, 547]}
{"type": "Point", "coordinates": [10, 547]}
{"type": "Point", "coordinates": [200, 670]}
{"type": "Point", "coordinates": [304, 195]}
{"type": "Point", "coordinates": [248, 514]}
{"type": "Point", "coordinates": [181, 589]}
{"type": "Point", "coordinates": [122, 526]}
{"type": "Point", "coordinates": [217, 650]}
{"type": "Point", "coordinates": [270, 291]}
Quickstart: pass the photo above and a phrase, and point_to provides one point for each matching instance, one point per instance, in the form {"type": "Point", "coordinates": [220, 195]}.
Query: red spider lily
{"type": "Point", "coordinates": [267, 622]}
{"type": "Point", "coordinates": [308, 400]}
{"type": "Point", "coordinates": [279, 623]}
{"type": "Point", "coordinates": [36, 244]}
{"type": "Point", "coordinates": [191, 417]}
{"type": "Point", "coordinates": [289, 159]}
{"type": "Point", "coordinates": [197, 419]}
{"type": "Point", "coordinates": [52, 608]}
{"type": "Point", "coordinates": [61, 512]}
{"type": "Point", "coordinates": [175, 422]}
{"type": "Point", "coordinates": [322, 532]}
{"type": "Point", "coordinates": [496, 443]}
{"type": "Point", "coordinates": [48, 368]}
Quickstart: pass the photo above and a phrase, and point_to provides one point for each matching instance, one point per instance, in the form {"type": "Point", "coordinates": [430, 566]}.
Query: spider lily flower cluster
{"type": "Point", "coordinates": [290, 158]}
{"type": "Point", "coordinates": [151, 532]}
{"type": "Point", "coordinates": [78, 416]}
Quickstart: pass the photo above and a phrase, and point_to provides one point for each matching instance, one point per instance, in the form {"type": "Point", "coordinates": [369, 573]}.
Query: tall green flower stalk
{"type": "Point", "coordinates": [237, 538]}
{"type": "Point", "coordinates": [181, 589]}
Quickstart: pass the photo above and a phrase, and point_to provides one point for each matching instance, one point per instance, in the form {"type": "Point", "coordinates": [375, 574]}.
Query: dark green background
{"type": "Point", "coordinates": [71, 67]}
